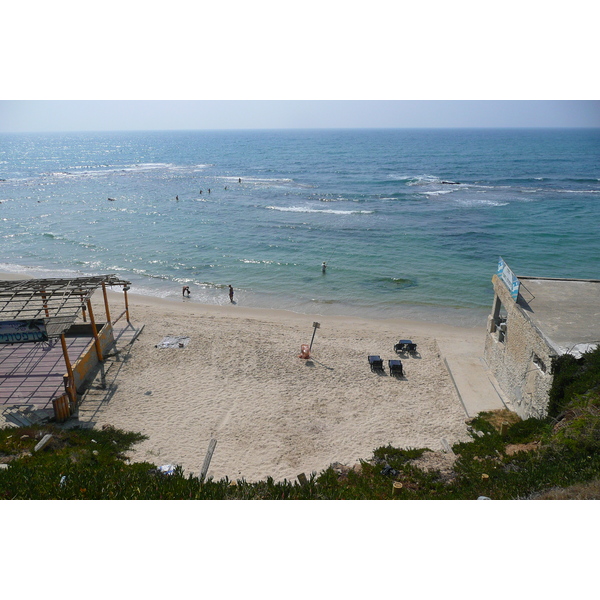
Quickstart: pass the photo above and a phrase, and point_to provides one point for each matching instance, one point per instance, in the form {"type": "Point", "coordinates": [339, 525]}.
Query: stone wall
{"type": "Point", "coordinates": [520, 359]}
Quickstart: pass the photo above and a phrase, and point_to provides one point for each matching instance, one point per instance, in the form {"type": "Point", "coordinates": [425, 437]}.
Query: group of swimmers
{"type": "Point", "coordinates": [200, 192]}
{"type": "Point", "coordinates": [187, 293]}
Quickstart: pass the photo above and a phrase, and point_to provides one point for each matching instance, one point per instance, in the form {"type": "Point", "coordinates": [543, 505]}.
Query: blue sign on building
{"type": "Point", "coordinates": [510, 279]}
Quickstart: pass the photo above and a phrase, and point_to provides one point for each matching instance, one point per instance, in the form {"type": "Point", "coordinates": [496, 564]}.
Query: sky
{"type": "Point", "coordinates": [315, 64]}
{"type": "Point", "coordinates": [123, 115]}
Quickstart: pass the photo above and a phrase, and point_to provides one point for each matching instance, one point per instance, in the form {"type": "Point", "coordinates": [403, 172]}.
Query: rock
{"type": "Point", "coordinates": [42, 442]}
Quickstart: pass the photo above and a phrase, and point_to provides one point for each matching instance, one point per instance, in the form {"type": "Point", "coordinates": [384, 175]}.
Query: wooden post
{"type": "Point", "coordinates": [95, 332]}
{"type": "Point", "coordinates": [105, 302]}
{"type": "Point", "coordinates": [63, 342]}
{"type": "Point", "coordinates": [207, 458]}
{"type": "Point", "coordinates": [62, 407]}
{"type": "Point", "coordinates": [126, 302]}
{"type": "Point", "coordinates": [45, 304]}
{"type": "Point", "coordinates": [70, 388]}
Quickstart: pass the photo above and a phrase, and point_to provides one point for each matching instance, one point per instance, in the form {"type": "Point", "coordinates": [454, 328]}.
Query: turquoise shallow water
{"type": "Point", "coordinates": [410, 222]}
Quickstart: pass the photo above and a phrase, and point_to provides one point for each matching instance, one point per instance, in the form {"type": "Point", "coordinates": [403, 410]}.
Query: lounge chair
{"type": "Point", "coordinates": [376, 363]}
{"type": "Point", "coordinates": [395, 368]}
{"type": "Point", "coordinates": [404, 346]}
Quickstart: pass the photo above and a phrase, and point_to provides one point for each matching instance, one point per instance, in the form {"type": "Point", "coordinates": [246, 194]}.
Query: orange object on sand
{"type": "Point", "coordinates": [304, 351]}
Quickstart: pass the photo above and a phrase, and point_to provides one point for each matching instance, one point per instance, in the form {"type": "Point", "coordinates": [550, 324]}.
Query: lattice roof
{"type": "Point", "coordinates": [57, 301]}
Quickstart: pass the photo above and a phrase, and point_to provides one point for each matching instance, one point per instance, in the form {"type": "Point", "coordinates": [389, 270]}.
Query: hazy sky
{"type": "Point", "coordinates": [44, 115]}
{"type": "Point", "coordinates": [318, 63]}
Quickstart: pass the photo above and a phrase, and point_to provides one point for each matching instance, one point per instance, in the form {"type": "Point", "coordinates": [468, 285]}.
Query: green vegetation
{"type": "Point", "coordinates": [507, 459]}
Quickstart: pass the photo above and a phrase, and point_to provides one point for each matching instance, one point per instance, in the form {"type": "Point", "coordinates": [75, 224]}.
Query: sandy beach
{"type": "Point", "coordinates": [240, 381]}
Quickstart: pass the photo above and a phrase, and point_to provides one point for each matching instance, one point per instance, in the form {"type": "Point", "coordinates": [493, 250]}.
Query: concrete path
{"type": "Point", "coordinates": [476, 386]}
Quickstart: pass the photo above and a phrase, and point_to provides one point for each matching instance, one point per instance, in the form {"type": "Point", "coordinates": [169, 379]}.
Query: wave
{"type": "Point", "coordinates": [480, 202]}
{"type": "Point", "coordinates": [302, 209]}
{"type": "Point", "coordinates": [257, 180]}
{"type": "Point", "coordinates": [582, 179]}
{"type": "Point", "coordinates": [437, 193]}
{"type": "Point", "coordinates": [421, 179]}
{"type": "Point", "coordinates": [403, 282]}
{"type": "Point", "coordinates": [338, 199]}
{"type": "Point", "coordinates": [62, 238]}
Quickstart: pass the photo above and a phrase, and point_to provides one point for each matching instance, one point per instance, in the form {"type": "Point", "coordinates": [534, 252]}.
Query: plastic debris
{"type": "Point", "coordinates": [173, 342]}
{"type": "Point", "coordinates": [387, 470]}
{"type": "Point", "coordinates": [167, 469]}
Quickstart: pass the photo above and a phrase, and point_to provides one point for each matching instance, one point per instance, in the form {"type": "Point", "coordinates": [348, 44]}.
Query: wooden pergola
{"type": "Point", "coordinates": [57, 303]}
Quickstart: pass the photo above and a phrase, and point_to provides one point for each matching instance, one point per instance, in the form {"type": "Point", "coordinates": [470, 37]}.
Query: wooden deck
{"type": "Point", "coordinates": [32, 374]}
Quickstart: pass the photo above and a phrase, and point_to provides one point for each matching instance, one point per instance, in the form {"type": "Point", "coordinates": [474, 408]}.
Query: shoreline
{"type": "Point", "coordinates": [463, 316]}
{"type": "Point", "coordinates": [240, 381]}
{"type": "Point", "coordinates": [184, 304]}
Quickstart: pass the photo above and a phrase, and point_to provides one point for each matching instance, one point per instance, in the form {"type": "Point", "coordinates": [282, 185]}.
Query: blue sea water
{"type": "Point", "coordinates": [410, 222]}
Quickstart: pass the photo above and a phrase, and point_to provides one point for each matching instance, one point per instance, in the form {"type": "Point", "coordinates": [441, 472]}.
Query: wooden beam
{"type": "Point", "coordinates": [106, 308]}
{"type": "Point", "coordinates": [70, 384]}
{"type": "Point", "coordinates": [95, 331]}
{"type": "Point", "coordinates": [207, 459]}
{"type": "Point", "coordinates": [126, 302]}
{"type": "Point", "coordinates": [45, 303]}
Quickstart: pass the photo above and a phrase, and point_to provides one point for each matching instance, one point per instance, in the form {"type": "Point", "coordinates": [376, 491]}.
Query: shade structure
{"type": "Point", "coordinates": [56, 301]}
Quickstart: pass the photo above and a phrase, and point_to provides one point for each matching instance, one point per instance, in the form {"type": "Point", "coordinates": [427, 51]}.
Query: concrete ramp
{"type": "Point", "coordinates": [475, 385]}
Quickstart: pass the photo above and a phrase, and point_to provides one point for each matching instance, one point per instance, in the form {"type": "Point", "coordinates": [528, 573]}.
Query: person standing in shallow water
{"type": "Point", "coordinates": [230, 294]}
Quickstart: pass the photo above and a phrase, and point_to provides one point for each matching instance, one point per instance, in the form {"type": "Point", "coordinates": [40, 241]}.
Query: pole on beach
{"type": "Point", "coordinates": [207, 458]}
{"type": "Point", "coordinates": [316, 326]}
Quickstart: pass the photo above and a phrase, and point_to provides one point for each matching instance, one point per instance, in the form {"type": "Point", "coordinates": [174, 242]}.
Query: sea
{"type": "Point", "coordinates": [411, 223]}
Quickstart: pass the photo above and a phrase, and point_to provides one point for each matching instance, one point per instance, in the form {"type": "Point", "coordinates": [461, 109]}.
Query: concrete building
{"type": "Point", "coordinates": [533, 321]}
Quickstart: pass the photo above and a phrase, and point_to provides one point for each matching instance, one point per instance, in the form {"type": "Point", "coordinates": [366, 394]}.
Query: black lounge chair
{"type": "Point", "coordinates": [395, 368]}
{"type": "Point", "coordinates": [404, 346]}
{"type": "Point", "coordinates": [376, 363]}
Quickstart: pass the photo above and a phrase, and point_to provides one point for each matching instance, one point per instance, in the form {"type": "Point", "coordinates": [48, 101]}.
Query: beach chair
{"type": "Point", "coordinates": [404, 346]}
{"type": "Point", "coordinates": [395, 367]}
{"type": "Point", "coordinates": [376, 363]}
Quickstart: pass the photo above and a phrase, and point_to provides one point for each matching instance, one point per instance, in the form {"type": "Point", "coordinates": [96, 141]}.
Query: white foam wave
{"type": "Point", "coordinates": [478, 202]}
{"type": "Point", "coordinates": [158, 165]}
{"type": "Point", "coordinates": [256, 180]}
{"type": "Point", "coordinates": [437, 193]}
{"type": "Point", "coordinates": [336, 200]}
{"type": "Point", "coordinates": [579, 191]}
{"type": "Point", "coordinates": [422, 179]}
{"type": "Point", "coordinates": [250, 261]}
{"type": "Point", "coordinates": [303, 209]}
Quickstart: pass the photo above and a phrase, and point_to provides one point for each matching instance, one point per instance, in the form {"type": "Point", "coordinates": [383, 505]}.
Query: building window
{"type": "Point", "coordinates": [502, 330]}
{"type": "Point", "coordinates": [499, 318]}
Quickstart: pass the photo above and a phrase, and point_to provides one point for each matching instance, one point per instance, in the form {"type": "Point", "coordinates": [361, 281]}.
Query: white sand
{"type": "Point", "coordinates": [240, 381]}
